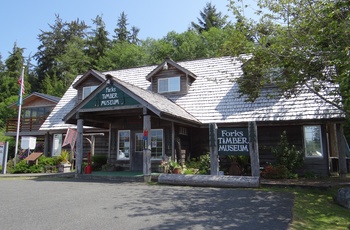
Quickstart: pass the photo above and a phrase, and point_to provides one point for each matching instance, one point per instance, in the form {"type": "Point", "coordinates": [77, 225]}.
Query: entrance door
{"type": "Point", "coordinates": [137, 156]}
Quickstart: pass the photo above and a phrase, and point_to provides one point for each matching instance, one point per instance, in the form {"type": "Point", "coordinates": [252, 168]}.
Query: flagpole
{"type": "Point", "coordinates": [19, 112]}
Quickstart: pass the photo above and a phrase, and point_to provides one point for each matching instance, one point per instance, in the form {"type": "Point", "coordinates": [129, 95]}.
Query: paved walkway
{"type": "Point", "coordinates": [47, 203]}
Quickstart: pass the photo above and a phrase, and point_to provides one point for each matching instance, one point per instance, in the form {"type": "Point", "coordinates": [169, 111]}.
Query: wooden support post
{"type": "Point", "coordinates": [79, 147]}
{"type": "Point", "coordinates": [147, 146]}
{"type": "Point", "coordinates": [341, 151]}
{"type": "Point", "coordinates": [253, 148]}
{"type": "Point", "coordinates": [214, 160]}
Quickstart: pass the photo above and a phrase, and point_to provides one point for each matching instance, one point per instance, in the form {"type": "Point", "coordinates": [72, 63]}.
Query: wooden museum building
{"type": "Point", "coordinates": [167, 109]}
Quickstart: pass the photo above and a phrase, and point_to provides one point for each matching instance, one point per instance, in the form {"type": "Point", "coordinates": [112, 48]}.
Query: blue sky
{"type": "Point", "coordinates": [22, 20]}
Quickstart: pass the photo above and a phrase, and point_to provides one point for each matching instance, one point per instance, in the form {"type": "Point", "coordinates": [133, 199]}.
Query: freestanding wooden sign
{"type": "Point", "coordinates": [234, 141]}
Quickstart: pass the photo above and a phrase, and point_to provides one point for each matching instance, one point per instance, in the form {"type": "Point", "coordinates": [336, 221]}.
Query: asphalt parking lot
{"type": "Point", "coordinates": [76, 204]}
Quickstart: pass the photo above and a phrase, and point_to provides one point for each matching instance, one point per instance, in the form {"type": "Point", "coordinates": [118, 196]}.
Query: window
{"type": "Point", "coordinates": [123, 144]}
{"type": "Point", "coordinates": [87, 90]}
{"type": "Point", "coordinates": [37, 112]}
{"type": "Point", "coordinates": [169, 85]}
{"type": "Point", "coordinates": [138, 142]}
{"type": "Point", "coordinates": [156, 139]}
{"type": "Point", "coordinates": [183, 131]}
{"type": "Point", "coordinates": [313, 141]}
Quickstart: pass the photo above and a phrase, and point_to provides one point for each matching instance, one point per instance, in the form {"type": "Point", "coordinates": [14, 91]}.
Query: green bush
{"type": "Point", "coordinates": [48, 161]}
{"type": "Point", "coordinates": [21, 167]}
{"type": "Point", "coordinates": [202, 164]}
{"type": "Point", "coordinates": [98, 161]}
{"type": "Point", "coordinates": [287, 155]}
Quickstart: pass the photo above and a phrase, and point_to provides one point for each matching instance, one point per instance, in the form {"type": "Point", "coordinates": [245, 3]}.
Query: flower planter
{"type": "Point", "coordinates": [177, 171]}
{"type": "Point", "coordinates": [65, 168]}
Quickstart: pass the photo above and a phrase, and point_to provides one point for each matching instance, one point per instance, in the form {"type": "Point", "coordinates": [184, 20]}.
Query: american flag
{"type": "Point", "coordinates": [21, 84]}
{"type": "Point", "coordinates": [71, 137]}
{"type": "Point", "coordinates": [21, 87]}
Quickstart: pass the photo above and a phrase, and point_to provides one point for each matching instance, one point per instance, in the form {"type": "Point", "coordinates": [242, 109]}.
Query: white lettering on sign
{"type": "Point", "coordinates": [232, 141]}
{"type": "Point", "coordinates": [109, 102]}
{"type": "Point", "coordinates": [110, 97]}
{"type": "Point", "coordinates": [235, 133]}
{"type": "Point", "coordinates": [233, 148]}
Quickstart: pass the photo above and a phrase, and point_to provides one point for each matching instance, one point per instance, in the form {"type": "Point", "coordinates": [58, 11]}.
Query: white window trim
{"type": "Point", "coordinates": [150, 139]}
{"type": "Point", "coordinates": [321, 144]}
{"type": "Point", "coordinates": [91, 88]}
{"type": "Point", "coordinates": [169, 91]}
{"type": "Point", "coordinates": [125, 158]}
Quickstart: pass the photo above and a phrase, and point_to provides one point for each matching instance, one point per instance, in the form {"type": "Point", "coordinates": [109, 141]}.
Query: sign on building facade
{"type": "Point", "coordinates": [110, 96]}
{"type": "Point", "coordinates": [233, 141]}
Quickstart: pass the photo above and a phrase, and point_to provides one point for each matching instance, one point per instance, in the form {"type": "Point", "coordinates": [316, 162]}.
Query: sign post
{"type": "Point", "coordinates": [254, 151]}
{"type": "Point", "coordinates": [3, 156]}
{"type": "Point", "coordinates": [214, 160]}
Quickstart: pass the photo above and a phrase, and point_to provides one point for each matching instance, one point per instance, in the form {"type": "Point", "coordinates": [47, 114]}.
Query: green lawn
{"type": "Point", "coordinates": [315, 209]}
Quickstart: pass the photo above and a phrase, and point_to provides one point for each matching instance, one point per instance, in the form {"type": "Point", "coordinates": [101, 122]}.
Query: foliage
{"type": "Point", "coordinates": [98, 42]}
{"type": "Point", "coordinates": [122, 32]}
{"type": "Point", "coordinates": [202, 164]}
{"type": "Point", "coordinates": [170, 165]}
{"type": "Point", "coordinates": [243, 162]}
{"type": "Point", "coordinates": [48, 161]}
{"type": "Point", "coordinates": [275, 172]}
{"type": "Point", "coordinates": [53, 44]}
{"type": "Point", "coordinates": [20, 167]}
{"type": "Point", "coordinates": [64, 157]}
{"type": "Point", "coordinates": [299, 45]}
{"type": "Point", "coordinates": [98, 161]}
{"type": "Point", "coordinates": [23, 167]}
{"type": "Point", "coordinates": [287, 155]}
{"type": "Point", "coordinates": [209, 18]}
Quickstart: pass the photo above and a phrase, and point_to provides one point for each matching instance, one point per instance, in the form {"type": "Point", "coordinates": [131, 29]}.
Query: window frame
{"type": "Point", "coordinates": [91, 88]}
{"type": "Point", "coordinates": [124, 147]}
{"type": "Point", "coordinates": [152, 134]}
{"type": "Point", "coordinates": [169, 88]}
{"type": "Point", "coordinates": [319, 143]}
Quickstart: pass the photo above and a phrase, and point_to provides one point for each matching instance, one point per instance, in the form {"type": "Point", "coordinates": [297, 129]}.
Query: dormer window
{"type": "Point", "coordinates": [166, 85]}
{"type": "Point", "coordinates": [87, 90]}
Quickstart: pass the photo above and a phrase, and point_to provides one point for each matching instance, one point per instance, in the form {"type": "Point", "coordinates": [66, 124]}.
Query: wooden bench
{"type": "Point", "coordinates": [33, 157]}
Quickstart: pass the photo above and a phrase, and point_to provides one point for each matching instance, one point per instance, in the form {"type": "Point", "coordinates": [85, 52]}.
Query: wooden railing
{"type": "Point", "coordinates": [26, 124]}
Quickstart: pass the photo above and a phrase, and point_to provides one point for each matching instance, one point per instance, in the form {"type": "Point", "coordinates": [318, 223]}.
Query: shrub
{"type": "Point", "coordinates": [275, 172]}
{"type": "Point", "coordinates": [48, 161]}
{"type": "Point", "coordinates": [21, 167]}
{"type": "Point", "coordinates": [287, 155]}
{"type": "Point", "coordinates": [202, 164]}
{"type": "Point", "coordinates": [98, 161]}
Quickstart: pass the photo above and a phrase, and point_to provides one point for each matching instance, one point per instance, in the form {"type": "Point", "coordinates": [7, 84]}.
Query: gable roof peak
{"type": "Point", "coordinates": [165, 65]}
{"type": "Point", "coordinates": [92, 72]}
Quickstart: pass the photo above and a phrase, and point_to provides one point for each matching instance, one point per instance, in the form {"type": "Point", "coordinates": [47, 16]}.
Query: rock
{"type": "Point", "coordinates": [343, 197]}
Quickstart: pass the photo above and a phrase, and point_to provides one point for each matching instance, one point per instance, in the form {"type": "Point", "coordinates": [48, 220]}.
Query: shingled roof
{"type": "Point", "coordinates": [214, 96]}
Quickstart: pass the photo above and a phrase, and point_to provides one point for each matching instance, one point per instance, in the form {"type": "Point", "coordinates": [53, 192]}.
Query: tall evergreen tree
{"type": "Point", "coordinates": [13, 68]}
{"type": "Point", "coordinates": [98, 42]}
{"type": "Point", "coordinates": [209, 18]}
{"type": "Point", "coordinates": [133, 37]}
{"type": "Point", "coordinates": [53, 44]}
{"type": "Point", "coordinates": [122, 33]}
{"type": "Point", "coordinates": [2, 66]}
